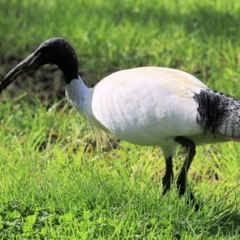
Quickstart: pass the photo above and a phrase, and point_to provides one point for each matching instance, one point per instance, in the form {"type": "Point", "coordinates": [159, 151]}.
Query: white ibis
{"type": "Point", "coordinates": [149, 106]}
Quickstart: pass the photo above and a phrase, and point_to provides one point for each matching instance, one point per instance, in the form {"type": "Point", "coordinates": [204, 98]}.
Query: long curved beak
{"type": "Point", "coordinates": [28, 64]}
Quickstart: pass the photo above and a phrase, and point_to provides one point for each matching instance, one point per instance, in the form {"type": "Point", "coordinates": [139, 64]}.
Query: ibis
{"type": "Point", "coordinates": [149, 106]}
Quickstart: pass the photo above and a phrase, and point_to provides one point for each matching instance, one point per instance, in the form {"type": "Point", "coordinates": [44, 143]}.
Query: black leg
{"type": "Point", "coordinates": [191, 151]}
{"type": "Point", "coordinates": [168, 177]}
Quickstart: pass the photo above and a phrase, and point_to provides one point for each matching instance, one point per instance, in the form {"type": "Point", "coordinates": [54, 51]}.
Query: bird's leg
{"type": "Point", "coordinates": [191, 151]}
{"type": "Point", "coordinates": [168, 177]}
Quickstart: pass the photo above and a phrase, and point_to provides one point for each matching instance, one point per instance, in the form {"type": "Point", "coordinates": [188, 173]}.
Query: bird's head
{"type": "Point", "coordinates": [53, 51]}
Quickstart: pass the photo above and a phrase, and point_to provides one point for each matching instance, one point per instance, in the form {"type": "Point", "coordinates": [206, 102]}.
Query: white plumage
{"type": "Point", "coordinates": [149, 106]}
{"type": "Point", "coordinates": [146, 106]}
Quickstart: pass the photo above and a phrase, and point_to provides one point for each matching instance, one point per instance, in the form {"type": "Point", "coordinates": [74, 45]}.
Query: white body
{"type": "Point", "coordinates": [145, 106]}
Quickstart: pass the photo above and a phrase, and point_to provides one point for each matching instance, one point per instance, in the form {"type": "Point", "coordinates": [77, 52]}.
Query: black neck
{"type": "Point", "coordinates": [66, 59]}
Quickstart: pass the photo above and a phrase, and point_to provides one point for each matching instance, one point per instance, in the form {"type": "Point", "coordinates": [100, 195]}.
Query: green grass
{"type": "Point", "coordinates": [54, 183]}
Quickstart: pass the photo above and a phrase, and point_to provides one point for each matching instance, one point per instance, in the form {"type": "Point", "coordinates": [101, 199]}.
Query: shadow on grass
{"type": "Point", "coordinates": [226, 215]}
{"type": "Point", "coordinates": [229, 222]}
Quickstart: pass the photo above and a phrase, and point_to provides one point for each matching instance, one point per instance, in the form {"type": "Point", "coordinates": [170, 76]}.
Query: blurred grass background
{"type": "Point", "coordinates": [54, 183]}
{"type": "Point", "coordinates": [200, 37]}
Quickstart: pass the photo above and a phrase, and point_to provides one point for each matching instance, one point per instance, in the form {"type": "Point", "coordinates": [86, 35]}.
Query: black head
{"type": "Point", "coordinates": [53, 51]}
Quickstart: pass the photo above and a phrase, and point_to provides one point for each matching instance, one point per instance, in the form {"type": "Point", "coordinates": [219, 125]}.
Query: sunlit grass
{"type": "Point", "coordinates": [54, 182]}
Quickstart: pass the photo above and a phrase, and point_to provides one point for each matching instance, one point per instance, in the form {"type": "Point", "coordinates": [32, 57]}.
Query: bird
{"type": "Point", "coordinates": [148, 106]}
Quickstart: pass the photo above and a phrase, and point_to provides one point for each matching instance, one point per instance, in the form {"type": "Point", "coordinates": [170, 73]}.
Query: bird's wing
{"type": "Point", "coordinates": [169, 74]}
{"type": "Point", "coordinates": [147, 104]}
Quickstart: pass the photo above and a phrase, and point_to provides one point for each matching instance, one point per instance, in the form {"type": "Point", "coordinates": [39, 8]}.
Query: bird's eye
{"type": "Point", "coordinates": [43, 49]}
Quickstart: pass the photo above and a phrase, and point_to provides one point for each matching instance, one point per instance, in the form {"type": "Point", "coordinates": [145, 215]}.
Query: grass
{"type": "Point", "coordinates": [54, 185]}
{"type": "Point", "coordinates": [54, 182]}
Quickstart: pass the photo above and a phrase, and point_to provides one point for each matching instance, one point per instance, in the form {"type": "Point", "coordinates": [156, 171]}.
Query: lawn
{"type": "Point", "coordinates": [61, 179]}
